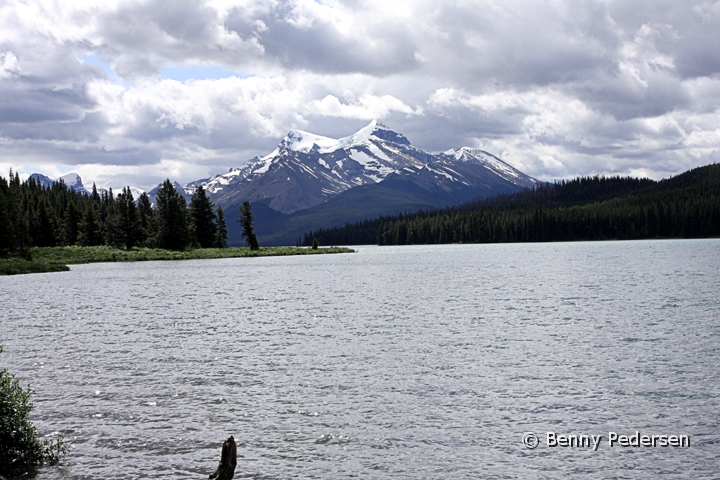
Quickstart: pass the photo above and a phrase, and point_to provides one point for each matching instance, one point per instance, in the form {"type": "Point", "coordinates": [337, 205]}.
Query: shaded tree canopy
{"type": "Point", "coordinates": [34, 215]}
{"type": "Point", "coordinates": [172, 222]}
{"type": "Point", "coordinates": [246, 220]}
{"type": "Point", "coordinates": [222, 233]}
{"type": "Point", "coordinates": [587, 208]}
{"type": "Point", "coordinates": [202, 219]}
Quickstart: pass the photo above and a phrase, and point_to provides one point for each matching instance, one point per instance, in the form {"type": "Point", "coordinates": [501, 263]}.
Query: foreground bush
{"type": "Point", "coordinates": [20, 446]}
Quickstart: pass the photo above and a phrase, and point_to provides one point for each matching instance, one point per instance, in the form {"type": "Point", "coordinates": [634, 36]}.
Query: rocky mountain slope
{"type": "Point", "coordinates": [306, 170]}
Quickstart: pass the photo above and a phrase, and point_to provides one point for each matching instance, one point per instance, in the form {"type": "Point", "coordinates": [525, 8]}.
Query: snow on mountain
{"type": "Point", "coordinates": [71, 181]}
{"type": "Point", "coordinates": [307, 169]}
{"type": "Point", "coordinates": [42, 179]}
{"type": "Point", "coordinates": [74, 182]}
{"type": "Point", "coordinates": [185, 191]}
{"type": "Point", "coordinates": [136, 192]}
{"type": "Point", "coordinates": [489, 161]}
{"type": "Point", "coordinates": [306, 142]}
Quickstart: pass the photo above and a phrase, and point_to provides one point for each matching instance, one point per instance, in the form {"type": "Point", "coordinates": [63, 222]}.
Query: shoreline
{"type": "Point", "coordinates": [57, 259]}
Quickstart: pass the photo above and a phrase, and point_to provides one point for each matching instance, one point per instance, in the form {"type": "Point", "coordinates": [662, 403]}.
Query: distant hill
{"type": "Point", "coordinates": [588, 208]}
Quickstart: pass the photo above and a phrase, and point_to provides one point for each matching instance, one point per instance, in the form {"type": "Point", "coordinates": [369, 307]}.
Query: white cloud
{"type": "Point", "coordinates": [558, 88]}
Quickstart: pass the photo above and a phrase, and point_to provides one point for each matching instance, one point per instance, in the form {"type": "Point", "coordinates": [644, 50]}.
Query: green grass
{"type": "Point", "coordinates": [55, 259]}
{"type": "Point", "coordinates": [17, 266]}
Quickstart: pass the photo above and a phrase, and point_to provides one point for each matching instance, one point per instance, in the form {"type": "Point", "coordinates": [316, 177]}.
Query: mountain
{"type": "Point", "coordinates": [306, 170]}
{"type": "Point", "coordinates": [42, 179]}
{"type": "Point", "coordinates": [71, 180]}
{"type": "Point", "coordinates": [186, 191]}
{"type": "Point", "coordinates": [310, 180]}
{"type": "Point", "coordinates": [74, 182]}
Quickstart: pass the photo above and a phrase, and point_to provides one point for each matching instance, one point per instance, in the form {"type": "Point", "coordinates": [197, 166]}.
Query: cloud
{"type": "Point", "coordinates": [558, 88]}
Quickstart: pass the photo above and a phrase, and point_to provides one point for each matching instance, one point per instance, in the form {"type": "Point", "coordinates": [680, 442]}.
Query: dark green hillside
{"type": "Point", "coordinates": [359, 203]}
{"type": "Point", "coordinates": [597, 208]}
{"type": "Point", "coordinates": [396, 194]}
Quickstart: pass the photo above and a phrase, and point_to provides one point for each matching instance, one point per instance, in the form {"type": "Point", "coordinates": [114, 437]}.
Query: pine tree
{"type": "Point", "coordinates": [202, 219]}
{"type": "Point", "coordinates": [89, 231]}
{"type": "Point", "coordinates": [71, 223]}
{"type": "Point", "coordinates": [222, 233]}
{"type": "Point", "coordinates": [147, 232]}
{"type": "Point", "coordinates": [126, 217]}
{"type": "Point", "coordinates": [246, 220]}
{"type": "Point", "coordinates": [45, 225]}
{"type": "Point", "coordinates": [172, 225]}
{"type": "Point", "coordinates": [6, 218]}
{"type": "Point", "coordinates": [95, 195]}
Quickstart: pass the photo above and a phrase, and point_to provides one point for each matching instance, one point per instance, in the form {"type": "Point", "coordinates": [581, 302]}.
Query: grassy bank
{"type": "Point", "coordinates": [55, 259]}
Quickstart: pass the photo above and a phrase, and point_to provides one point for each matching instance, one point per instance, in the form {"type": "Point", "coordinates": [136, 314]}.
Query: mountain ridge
{"type": "Point", "coordinates": [307, 169]}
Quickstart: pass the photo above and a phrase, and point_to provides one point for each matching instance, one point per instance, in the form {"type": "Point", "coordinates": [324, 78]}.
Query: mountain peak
{"type": "Point", "coordinates": [73, 181]}
{"type": "Point", "coordinates": [373, 129]}
{"type": "Point", "coordinates": [306, 142]}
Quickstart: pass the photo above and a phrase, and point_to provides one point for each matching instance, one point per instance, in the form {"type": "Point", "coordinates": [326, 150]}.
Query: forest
{"type": "Point", "coordinates": [32, 215]}
{"type": "Point", "coordinates": [585, 208]}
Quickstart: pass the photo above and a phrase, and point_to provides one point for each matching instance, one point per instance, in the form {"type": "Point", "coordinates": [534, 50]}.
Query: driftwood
{"type": "Point", "coordinates": [228, 461]}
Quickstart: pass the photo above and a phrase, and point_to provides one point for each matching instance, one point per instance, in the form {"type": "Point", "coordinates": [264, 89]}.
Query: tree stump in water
{"type": "Point", "coordinates": [228, 461]}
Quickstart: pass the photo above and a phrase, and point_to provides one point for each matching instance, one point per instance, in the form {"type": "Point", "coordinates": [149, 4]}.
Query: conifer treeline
{"type": "Point", "coordinates": [32, 215]}
{"type": "Point", "coordinates": [588, 208]}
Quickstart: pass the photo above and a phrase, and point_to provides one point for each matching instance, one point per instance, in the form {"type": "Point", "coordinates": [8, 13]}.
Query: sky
{"type": "Point", "coordinates": [130, 92]}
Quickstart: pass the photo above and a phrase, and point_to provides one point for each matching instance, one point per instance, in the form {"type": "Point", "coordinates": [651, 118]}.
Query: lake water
{"type": "Point", "coordinates": [393, 362]}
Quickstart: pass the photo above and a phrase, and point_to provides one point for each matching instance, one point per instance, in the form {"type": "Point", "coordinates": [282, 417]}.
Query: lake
{"type": "Point", "coordinates": [393, 362]}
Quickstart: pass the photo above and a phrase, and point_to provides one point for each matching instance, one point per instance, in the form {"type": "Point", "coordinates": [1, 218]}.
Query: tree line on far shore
{"type": "Point", "coordinates": [32, 215]}
{"type": "Point", "coordinates": [587, 208]}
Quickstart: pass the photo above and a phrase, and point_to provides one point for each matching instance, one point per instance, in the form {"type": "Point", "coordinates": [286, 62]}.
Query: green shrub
{"type": "Point", "coordinates": [20, 446]}
{"type": "Point", "coordinates": [17, 266]}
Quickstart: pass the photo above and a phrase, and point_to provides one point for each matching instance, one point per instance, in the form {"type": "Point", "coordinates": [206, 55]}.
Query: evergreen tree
{"type": "Point", "coordinates": [95, 195]}
{"type": "Point", "coordinates": [147, 233]}
{"type": "Point", "coordinates": [127, 222]}
{"type": "Point", "coordinates": [71, 223]}
{"type": "Point", "coordinates": [222, 233]}
{"type": "Point", "coordinates": [44, 225]}
{"type": "Point", "coordinates": [172, 224]}
{"type": "Point", "coordinates": [202, 219]}
{"type": "Point", "coordinates": [246, 220]}
{"type": "Point", "coordinates": [22, 238]}
{"type": "Point", "coordinates": [90, 233]}
{"type": "Point", "coordinates": [6, 218]}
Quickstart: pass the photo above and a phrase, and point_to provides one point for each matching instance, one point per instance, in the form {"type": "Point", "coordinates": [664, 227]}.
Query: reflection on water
{"type": "Point", "coordinates": [394, 362]}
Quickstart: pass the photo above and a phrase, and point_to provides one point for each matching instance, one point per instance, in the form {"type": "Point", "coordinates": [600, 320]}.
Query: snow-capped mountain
{"type": "Point", "coordinates": [306, 170]}
{"type": "Point", "coordinates": [467, 155]}
{"type": "Point", "coordinates": [74, 182]}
